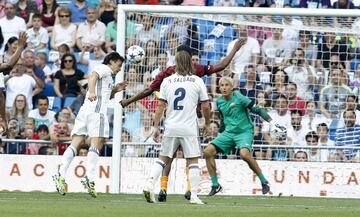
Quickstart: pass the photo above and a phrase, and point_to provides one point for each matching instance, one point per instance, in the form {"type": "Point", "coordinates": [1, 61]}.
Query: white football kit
{"type": "Point", "coordinates": [92, 120]}
{"type": "Point", "coordinates": [182, 94]}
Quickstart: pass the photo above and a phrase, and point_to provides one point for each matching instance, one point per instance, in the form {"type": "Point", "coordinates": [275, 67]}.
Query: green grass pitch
{"type": "Point", "coordinates": [34, 204]}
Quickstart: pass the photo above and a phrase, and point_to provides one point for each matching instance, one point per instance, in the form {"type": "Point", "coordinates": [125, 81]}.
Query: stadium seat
{"type": "Point", "coordinates": [68, 101]}
{"type": "Point", "coordinates": [54, 103]}
{"type": "Point", "coordinates": [49, 89]}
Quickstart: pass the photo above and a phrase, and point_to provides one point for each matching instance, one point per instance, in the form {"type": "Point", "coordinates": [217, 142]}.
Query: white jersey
{"type": "Point", "coordinates": [103, 90]}
{"type": "Point", "coordinates": [182, 94]}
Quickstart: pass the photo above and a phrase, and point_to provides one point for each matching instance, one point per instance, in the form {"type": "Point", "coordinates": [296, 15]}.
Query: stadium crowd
{"type": "Point", "coordinates": [308, 81]}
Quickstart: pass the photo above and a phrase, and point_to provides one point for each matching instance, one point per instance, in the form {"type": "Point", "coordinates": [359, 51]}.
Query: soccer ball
{"type": "Point", "coordinates": [135, 54]}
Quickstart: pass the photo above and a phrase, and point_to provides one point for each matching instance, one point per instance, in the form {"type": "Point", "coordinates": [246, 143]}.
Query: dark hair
{"type": "Point", "coordinates": [312, 134]}
{"type": "Point", "coordinates": [114, 56]}
{"type": "Point", "coordinates": [295, 111]}
{"type": "Point", "coordinates": [352, 96]}
{"type": "Point", "coordinates": [62, 65]}
{"type": "Point", "coordinates": [42, 127]}
{"type": "Point", "coordinates": [311, 101]}
{"type": "Point", "coordinates": [323, 125]}
{"type": "Point", "coordinates": [301, 152]}
{"type": "Point", "coordinates": [53, 8]}
{"type": "Point", "coordinates": [274, 73]}
{"type": "Point", "coordinates": [37, 16]}
{"type": "Point", "coordinates": [42, 97]}
{"type": "Point", "coordinates": [349, 110]}
{"type": "Point", "coordinates": [282, 96]}
{"type": "Point", "coordinates": [1, 38]}
{"type": "Point", "coordinates": [184, 47]}
{"type": "Point", "coordinates": [44, 150]}
{"type": "Point", "coordinates": [9, 42]}
{"type": "Point", "coordinates": [292, 83]}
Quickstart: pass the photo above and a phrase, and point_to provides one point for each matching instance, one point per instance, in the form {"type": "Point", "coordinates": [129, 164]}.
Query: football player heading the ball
{"type": "Point", "coordinates": [237, 130]}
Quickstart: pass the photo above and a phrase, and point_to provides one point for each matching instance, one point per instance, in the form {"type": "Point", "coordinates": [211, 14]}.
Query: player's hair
{"type": "Point", "coordinates": [186, 48]}
{"type": "Point", "coordinates": [184, 64]}
{"type": "Point", "coordinates": [227, 79]}
{"type": "Point", "coordinates": [312, 134]}
{"type": "Point", "coordinates": [114, 56]}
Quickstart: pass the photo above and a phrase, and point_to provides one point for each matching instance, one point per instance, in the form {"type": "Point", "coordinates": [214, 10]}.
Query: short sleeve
{"type": "Point", "coordinates": [102, 70]}
{"type": "Point", "coordinates": [163, 91]}
{"type": "Point", "coordinates": [58, 75]}
{"type": "Point", "coordinates": [203, 91]}
{"type": "Point", "coordinates": [155, 85]}
{"type": "Point", "coordinates": [244, 101]}
{"type": "Point", "coordinates": [202, 70]}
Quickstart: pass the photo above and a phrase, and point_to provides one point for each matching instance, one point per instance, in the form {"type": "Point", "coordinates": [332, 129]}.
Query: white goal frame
{"type": "Point", "coordinates": [120, 44]}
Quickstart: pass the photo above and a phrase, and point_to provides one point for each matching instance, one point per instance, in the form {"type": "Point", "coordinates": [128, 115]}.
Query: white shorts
{"type": "Point", "coordinates": [91, 124]}
{"type": "Point", "coordinates": [190, 146]}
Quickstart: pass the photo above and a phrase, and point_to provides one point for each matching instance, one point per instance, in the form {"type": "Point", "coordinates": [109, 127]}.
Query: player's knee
{"type": "Point", "coordinates": [245, 154]}
{"type": "Point", "coordinates": [209, 151]}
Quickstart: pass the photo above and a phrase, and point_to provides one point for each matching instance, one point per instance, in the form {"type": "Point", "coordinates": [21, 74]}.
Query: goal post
{"type": "Point", "coordinates": [206, 19]}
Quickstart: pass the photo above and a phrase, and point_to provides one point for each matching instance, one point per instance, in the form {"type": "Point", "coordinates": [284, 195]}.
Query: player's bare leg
{"type": "Point", "coordinates": [91, 162]}
{"type": "Point", "coordinates": [69, 154]}
{"type": "Point", "coordinates": [194, 177]}
{"type": "Point", "coordinates": [155, 172]}
{"type": "Point", "coordinates": [246, 155]}
{"type": "Point", "coordinates": [209, 154]}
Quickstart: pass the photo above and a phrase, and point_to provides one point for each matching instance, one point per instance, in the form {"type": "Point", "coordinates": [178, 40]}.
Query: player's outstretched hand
{"type": "Point", "coordinates": [124, 103]}
{"type": "Point", "coordinates": [92, 97]}
{"type": "Point", "coordinates": [22, 39]}
{"type": "Point", "coordinates": [121, 86]}
{"type": "Point", "coordinates": [239, 43]}
{"type": "Point", "coordinates": [156, 134]}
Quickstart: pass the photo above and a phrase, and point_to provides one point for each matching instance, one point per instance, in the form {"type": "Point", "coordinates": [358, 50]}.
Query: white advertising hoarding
{"type": "Point", "coordinates": [33, 173]}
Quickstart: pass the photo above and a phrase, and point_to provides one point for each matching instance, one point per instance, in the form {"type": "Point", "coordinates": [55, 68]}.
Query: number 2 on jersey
{"type": "Point", "coordinates": [180, 93]}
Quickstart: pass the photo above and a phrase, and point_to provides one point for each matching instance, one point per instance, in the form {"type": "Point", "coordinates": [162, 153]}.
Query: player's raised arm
{"type": "Point", "coordinates": [15, 57]}
{"type": "Point", "coordinates": [227, 60]}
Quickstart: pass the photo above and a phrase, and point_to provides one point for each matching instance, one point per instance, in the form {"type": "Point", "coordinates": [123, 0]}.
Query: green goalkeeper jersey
{"type": "Point", "coordinates": [234, 113]}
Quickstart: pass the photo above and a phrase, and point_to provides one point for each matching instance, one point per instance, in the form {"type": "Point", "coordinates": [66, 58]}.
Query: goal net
{"type": "Point", "coordinates": [289, 65]}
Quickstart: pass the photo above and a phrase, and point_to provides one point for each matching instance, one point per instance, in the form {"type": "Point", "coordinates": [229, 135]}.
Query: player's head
{"type": "Point", "coordinates": [183, 63]}
{"type": "Point", "coordinates": [114, 60]}
{"type": "Point", "coordinates": [186, 48]}
{"type": "Point", "coordinates": [226, 85]}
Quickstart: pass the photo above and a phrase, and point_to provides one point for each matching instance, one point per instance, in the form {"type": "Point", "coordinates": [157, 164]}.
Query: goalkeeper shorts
{"type": "Point", "coordinates": [226, 141]}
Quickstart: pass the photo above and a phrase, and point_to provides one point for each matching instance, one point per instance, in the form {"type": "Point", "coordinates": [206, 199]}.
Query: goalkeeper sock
{"type": "Point", "coordinates": [194, 177]}
{"type": "Point", "coordinates": [66, 159]}
{"type": "Point", "coordinates": [262, 178]}
{"type": "Point", "coordinates": [188, 187]}
{"type": "Point", "coordinates": [214, 181]}
{"type": "Point", "coordinates": [155, 172]}
{"type": "Point", "coordinates": [164, 183]}
{"type": "Point", "coordinates": [91, 162]}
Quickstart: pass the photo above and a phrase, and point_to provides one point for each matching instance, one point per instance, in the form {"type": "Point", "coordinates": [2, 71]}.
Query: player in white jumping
{"type": "Point", "coordinates": [92, 121]}
{"type": "Point", "coordinates": [179, 95]}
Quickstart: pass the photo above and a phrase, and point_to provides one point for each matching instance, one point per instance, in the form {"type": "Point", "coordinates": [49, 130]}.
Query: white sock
{"type": "Point", "coordinates": [66, 159]}
{"type": "Point", "coordinates": [194, 177]}
{"type": "Point", "coordinates": [91, 162]}
{"type": "Point", "coordinates": [155, 173]}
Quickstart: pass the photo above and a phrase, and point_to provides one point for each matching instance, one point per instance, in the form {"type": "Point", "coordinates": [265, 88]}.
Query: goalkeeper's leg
{"type": "Point", "coordinates": [246, 155]}
{"type": "Point", "coordinates": [209, 154]}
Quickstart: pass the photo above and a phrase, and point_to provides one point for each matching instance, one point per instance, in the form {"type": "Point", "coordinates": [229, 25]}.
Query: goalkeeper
{"type": "Point", "coordinates": [237, 130]}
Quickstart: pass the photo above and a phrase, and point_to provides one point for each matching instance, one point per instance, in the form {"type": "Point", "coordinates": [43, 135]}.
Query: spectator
{"type": "Point", "coordinates": [315, 4]}
{"type": "Point", "coordinates": [91, 63]}
{"type": "Point", "coordinates": [276, 50]}
{"type": "Point", "coordinates": [11, 25]}
{"type": "Point", "coordinates": [46, 150]}
{"type": "Point", "coordinates": [148, 30]}
{"type": "Point", "coordinates": [42, 114]}
{"type": "Point", "coordinates": [63, 49]}
{"type": "Point", "coordinates": [90, 33]}
{"type": "Point", "coordinates": [322, 131]}
{"type": "Point", "coordinates": [64, 32]}
{"type": "Point", "coordinates": [32, 147]}
{"type": "Point", "coordinates": [351, 104]}
{"type": "Point", "coordinates": [40, 61]}
{"type": "Point", "coordinates": [349, 135]}
{"type": "Point", "coordinates": [250, 88]}
{"type": "Point", "coordinates": [28, 59]}
{"type": "Point", "coordinates": [30, 124]}
{"type": "Point", "coordinates": [43, 132]}
{"type": "Point", "coordinates": [314, 154]}
{"type": "Point", "coordinates": [356, 81]}
{"type": "Point", "coordinates": [62, 135]}
{"type": "Point", "coordinates": [83, 152]}
{"type": "Point", "coordinates": [296, 133]}
{"type": "Point", "coordinates": [312, 118]}
{"type": "Point", "coordinates": [14, 133]}
{"type": "Point", "coordinates": [302, 74]}
{"type": "Point", "coordinates": [279, 80]}
{"type": "Point", "coordinates": [37, 36]}
{"type": "Point", "coordinates": [301, 156]}
{"type": "Point", "coordinates": [135, 82]}
{"type": "Point", "coordinates": [29, 83]}
{"type": "Point", "coordinates": [151, 52]}
{"type": "Point", "coordinates": [333, 96]}
{"type": "Point", "coordinates": [66, 80]}
{"type": "Point", "coordinates": [329, 46]}
{"type": "Point", "coordinates": [295, 102]}
{"type": "Point", "coordinates": [106, 11]}
{"type": "Point", "coordinates": [78, 10]}
{"type": "Point", "coordinates": [111, 34]}
{"type": "Point", "coordinates": [26, 10]}
{"type": "Point", "coordinates": [9, 50]}
{"type": "Point", "coordinates": [292, 26]}
{"type": "Point", "coordinates": [248, 54]}
{"type": "Point", "coordinates": [49, 10]}
{"type": "Point", "coordinates": [19, 110]}
{"type": "Point", "coordinates": [161, 62]}
{"type": "Point", "coordinates": [343, 4]}
{"type": "Point", "coordinates": [172, 40]}
{"type": "Point", "coordinates": [305, 43]}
